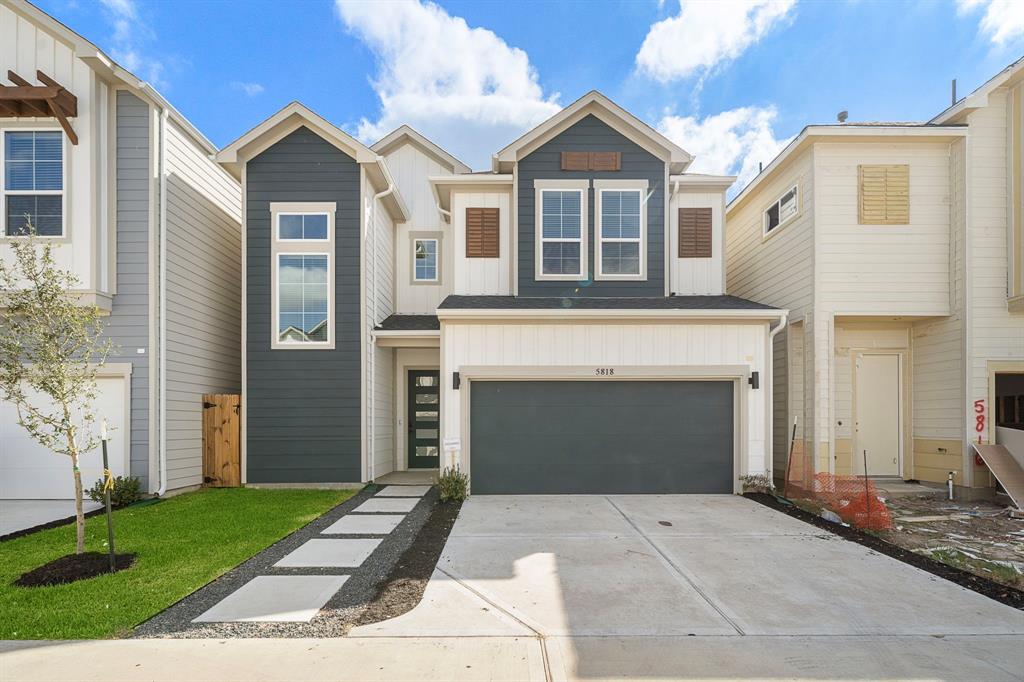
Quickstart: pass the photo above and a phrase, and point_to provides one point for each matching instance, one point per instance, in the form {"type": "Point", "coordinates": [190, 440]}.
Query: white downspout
{"type": "Point", "coordinates": [372, 378]}
{"type": "Point", "coordinates": [162, 228]}
{"type": "Point", "coordinates": [769, 386]}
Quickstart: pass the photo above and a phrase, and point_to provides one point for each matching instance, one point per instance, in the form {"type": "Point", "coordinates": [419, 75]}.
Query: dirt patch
{"type": "Point", "coordinates": [403, 589]}
{"type": "Point", "coordinates": [72, 567]}
{"type": "Point", "coordinates": [982, 585]}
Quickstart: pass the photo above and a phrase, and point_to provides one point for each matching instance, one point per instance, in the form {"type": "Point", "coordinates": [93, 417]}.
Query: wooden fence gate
{"type": "Point", "coordinates": [221, 440]}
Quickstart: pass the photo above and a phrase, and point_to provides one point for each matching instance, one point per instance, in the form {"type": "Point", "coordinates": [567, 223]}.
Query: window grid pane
{"type": "Point", "coordinates": [33, 164]}
{"type": "Point", "coordinates": [302, 298]}
{"type": "Point", "coordinates": [311, 226]}
{"type": "Point", "coordinates": [426, 260]}
{"type": "Point", "coordinates": [561, 232]}
{"type": "Point", "coordinates": [620, 232]}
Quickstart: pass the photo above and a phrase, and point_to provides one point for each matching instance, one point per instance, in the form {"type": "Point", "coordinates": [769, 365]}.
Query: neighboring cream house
{"type": "Point", "coordinates": [126, 191]}
{"type": "Point", "coordinates": [897, 249]}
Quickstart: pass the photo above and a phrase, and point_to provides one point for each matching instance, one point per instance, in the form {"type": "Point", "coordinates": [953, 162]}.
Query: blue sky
{"type": "Point", "coordinates": [731, 82]}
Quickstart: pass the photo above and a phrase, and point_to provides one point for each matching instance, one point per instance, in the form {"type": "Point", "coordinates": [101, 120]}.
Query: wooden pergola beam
{"type": "Point", "coordinates": [50, 99]}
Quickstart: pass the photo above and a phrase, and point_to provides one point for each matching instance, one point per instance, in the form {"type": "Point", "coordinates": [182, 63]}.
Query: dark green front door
{"type": "Point", "coordinates": [423, 418]}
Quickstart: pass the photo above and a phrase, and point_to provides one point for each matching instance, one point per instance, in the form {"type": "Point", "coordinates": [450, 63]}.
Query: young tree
{"type": "Point", "coordinates": [51, 349]}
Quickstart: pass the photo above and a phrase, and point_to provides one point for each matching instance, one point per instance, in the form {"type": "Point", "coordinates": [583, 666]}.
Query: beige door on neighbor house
{"type": "Point", "coordinates": [877, 417]}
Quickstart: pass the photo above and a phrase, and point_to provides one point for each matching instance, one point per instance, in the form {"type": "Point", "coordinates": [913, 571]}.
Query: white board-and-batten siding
{"type": "Point", "coordinates": [203, 297]}
{"type": "Point", "coordinates": [697, 276]}
{"type": "Point", "coordinates": [481, 276]}
{"type": "Point", "coordinates": [624, 345]}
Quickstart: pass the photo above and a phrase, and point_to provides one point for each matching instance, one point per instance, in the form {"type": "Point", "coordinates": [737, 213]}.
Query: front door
{"type": "Point", "coordinates": [878, 415]}
{"type": "Point", "coordinates": [424, 429]}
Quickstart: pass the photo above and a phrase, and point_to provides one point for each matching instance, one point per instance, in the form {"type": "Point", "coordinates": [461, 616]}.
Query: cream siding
{"type": "Point", "coordinates": [882, 269]}
{"type": "Point", "coordinates": [203, 297]}
{"type": "Point", "coordinates": [481, 276]}
{"type": "Point", "coordinates": [24, 48]}
{"type": "Point", "coordinates": [380, 264]}
{"type": "Point", "coordinates": [619, 345]}
{"type": "Point", "coordinates": [697, 276]}
{"type": "Point", "coordinates": [411, 166]}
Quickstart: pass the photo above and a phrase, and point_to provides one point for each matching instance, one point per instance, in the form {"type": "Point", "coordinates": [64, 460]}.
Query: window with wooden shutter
{"type": "Point", "coordinates": [884, 194]}
{"type": "Point", "coordinates": [592, 161]}
{"type": "Point", "coordinates": [695, 233]}
{"type": "Point", "coordinates": [482, 233]}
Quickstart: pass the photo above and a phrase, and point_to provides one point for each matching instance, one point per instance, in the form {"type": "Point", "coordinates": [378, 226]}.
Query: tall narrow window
{"type": "Point", "coordinates": [620, 235]}
{"type": "Point", "coordinates": [561, 232]}
{"type": "Point", "coordinates": [33, 182]}
{"type": "Point", "coordinates": [425, 260]}
{"type": "Point", "coordinates": [303, 275]}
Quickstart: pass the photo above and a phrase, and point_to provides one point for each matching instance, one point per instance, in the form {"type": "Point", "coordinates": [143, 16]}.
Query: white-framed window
{"type": "Point", "coordinates": [621, 226]}
{"type": "Point", "coordinates": [782, 210]}
{"type": "Point", "coordinates": [425, 260]}
{"type": "Point", "coordinates": [33, 182]}
{"type": "Point", "coordinates": [561, 229]}
{"type": "Point", "coordinates": [302, 262]}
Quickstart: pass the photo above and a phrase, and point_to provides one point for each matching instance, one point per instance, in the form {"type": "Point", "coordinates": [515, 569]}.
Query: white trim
{"type": "Point", "coordinates": [301, 247]}
{"type": "Point", "coordinates": [392, 139]}
{"type": "Point", "coordinates": [640, 187]}
{"type": "Point", "coordinates": [482, 314]}
{"type": "Point", "coordinates": [765, 230]}
{"type": "Point", "coordinates": [62, 193]}
{"type": "Point", "coordinates": [582, 187]}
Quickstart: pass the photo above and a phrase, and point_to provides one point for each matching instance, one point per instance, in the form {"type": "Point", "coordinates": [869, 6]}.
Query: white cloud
{"type": "Point", "coordinates": [1002, 22]}
{"type": "Point", "coordinates": [130, 33]}
{"type": "Point", "coordinates": [463, 87]}
{"type": "Point", "coordinates": [706, 34]}
{"type": "Point", "coordinates": [250, 89]}
{"type": "Point", "coordinates": [729, 143]}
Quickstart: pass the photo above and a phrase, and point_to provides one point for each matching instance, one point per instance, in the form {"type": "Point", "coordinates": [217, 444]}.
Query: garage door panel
{"type": "Point", "coordinates": [601, 437]}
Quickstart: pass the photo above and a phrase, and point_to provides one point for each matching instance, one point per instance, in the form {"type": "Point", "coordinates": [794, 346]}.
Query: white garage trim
{"type": "Point", "coordinates": [124, 371]}
{"type": "Point", "coordinates": [737, 374]}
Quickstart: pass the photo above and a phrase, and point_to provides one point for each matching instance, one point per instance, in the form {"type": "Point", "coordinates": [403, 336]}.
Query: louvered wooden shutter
{"type": "Point", "coordinates": [695, 233]}
{"type": "Point", "coordinates": [575, 161]}
{"type": "Point", "coordinates": [482, 233]}
{"type": "Point", "coordinates": [595, 161]}
{"type": "Point", "coordinates": [884, 194]}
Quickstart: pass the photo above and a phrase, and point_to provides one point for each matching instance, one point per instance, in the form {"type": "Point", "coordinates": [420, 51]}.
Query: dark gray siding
{"type": "Point", "coordinates": [595, 437]}
{"type": "Point", "coordinates": [592, 134]}
{"type": "Point", "coordinates": [302, 406]}
{"type": "Point", "coordinates": [128, 325]}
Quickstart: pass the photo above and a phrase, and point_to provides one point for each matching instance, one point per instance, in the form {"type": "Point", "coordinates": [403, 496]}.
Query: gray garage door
{"type": "Point", "coordinates": [601, 437]}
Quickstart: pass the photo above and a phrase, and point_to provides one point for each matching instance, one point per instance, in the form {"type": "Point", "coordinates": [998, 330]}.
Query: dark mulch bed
{"type": "Point", "coordinates": [403, 588]}
{"type": "Point", "coordinates": [990, 588]}
{"type": "Point", "coordinates": [72, 567]}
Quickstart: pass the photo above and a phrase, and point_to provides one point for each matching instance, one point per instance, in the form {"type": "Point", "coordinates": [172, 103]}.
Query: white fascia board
{"type": "Point", "coordinates": [703, 182]}
{"type": "Point", "coordinates": [404, 132]}
{"type": "Point", "coordinates": [719, 314]}
{"type": "Point", "coordinates": [841, 133]}
{"type": "Point", "coordinates": [442, 185]}
{"type": "Point", "coordinates": [406, 333]}
{"type": "Point", "coordinates": [381, 179]}
{"type": "Point", "coordinates": [979, 97]}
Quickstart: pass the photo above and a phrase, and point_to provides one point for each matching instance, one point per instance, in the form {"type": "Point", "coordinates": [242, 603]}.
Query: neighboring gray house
{"type": "Point", "coordinates": [555, 324]}
{"type": "Point", "coordinates": [138, 210]}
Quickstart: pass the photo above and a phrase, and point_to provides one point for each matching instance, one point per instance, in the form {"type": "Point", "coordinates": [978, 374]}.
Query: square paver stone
{"type": "Point", "coordinates": [364, 524]}
{"type": "Point", "coordinates": [403, 491]}
{"type": "Point", "coordinates": [275, 598]}
{"type": "Point", "coordinates": [388, 504]}
{"type": "Point", "coordinates": [329, 553]}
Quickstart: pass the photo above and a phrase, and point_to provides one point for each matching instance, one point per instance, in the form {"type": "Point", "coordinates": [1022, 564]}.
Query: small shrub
{"type": "Point", "coordinates": [453, 485]}
{"type": "Point", "coordinates": [127, 489]}
{"type": "Point", "coordinates": [757, 483]}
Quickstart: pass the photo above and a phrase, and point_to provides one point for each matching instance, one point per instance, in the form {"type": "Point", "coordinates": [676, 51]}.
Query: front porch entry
{"type": "Point", "coordinates": [423, 394]}
{"type": "Point", "coordinates": [877, 432]}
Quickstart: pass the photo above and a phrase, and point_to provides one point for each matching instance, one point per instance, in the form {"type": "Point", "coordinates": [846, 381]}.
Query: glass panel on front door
{"type": "Point", "coordinates": [423, 426]}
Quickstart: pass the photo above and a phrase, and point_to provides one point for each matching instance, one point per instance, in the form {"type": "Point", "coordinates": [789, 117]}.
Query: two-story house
{"type": "Point", "coordinates": [897, 249]}
{"type": "Point", "coordinates": [125, 190]}
{"type": "Point", "coordinates": [557, 323]}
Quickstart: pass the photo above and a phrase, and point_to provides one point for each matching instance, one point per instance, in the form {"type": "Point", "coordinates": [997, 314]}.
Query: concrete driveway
{"type": "Point", "coordinates": [671, 586]}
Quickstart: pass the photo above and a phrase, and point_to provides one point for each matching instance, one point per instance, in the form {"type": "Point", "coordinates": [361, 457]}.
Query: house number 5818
{"type": "Point", "coordinates": [604, 371]}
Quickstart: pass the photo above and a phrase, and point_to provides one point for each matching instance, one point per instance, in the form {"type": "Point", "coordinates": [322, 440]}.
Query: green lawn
{"type": "Point", "coordinates": [181, 544]}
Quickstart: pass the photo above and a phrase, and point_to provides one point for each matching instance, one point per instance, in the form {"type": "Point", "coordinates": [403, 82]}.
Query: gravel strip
{"type": "Point", "coordinates": [338, 615]}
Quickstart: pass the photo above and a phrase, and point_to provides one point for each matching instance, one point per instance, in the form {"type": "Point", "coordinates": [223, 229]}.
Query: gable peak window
{"type": "Point", "coordinates": [33, 182]}
{"type": "Point", "coordinates": [302, 259]}
{"type": "Point", "coordinates": [782, 210]}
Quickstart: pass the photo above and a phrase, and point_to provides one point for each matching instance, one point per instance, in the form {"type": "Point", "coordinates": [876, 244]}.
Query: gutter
{"type": "Point", "coordinates": [162, 380]}
{"type": "Point", "coordinates": [769, 387]}
{"type": "Point", "coordinates": [575, 313]}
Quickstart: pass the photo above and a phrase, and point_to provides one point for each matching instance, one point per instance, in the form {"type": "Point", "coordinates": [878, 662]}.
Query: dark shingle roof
{"type": "Point", "coordinates": [418, 323]}
{"type": "Point", "coordinates": [599, 303]}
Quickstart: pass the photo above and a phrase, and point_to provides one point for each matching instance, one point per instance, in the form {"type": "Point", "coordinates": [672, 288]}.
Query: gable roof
{"type": "Point", "coordinates": [406, 134]}
{"type": "Point", "coordinates": [596, 104]}
{"type": "Point", "coordinates": [296, 115]}
{"type": "Point", "coordinates": [106, 67]}
{"type": "Point", "coordinates": [979, 97]}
